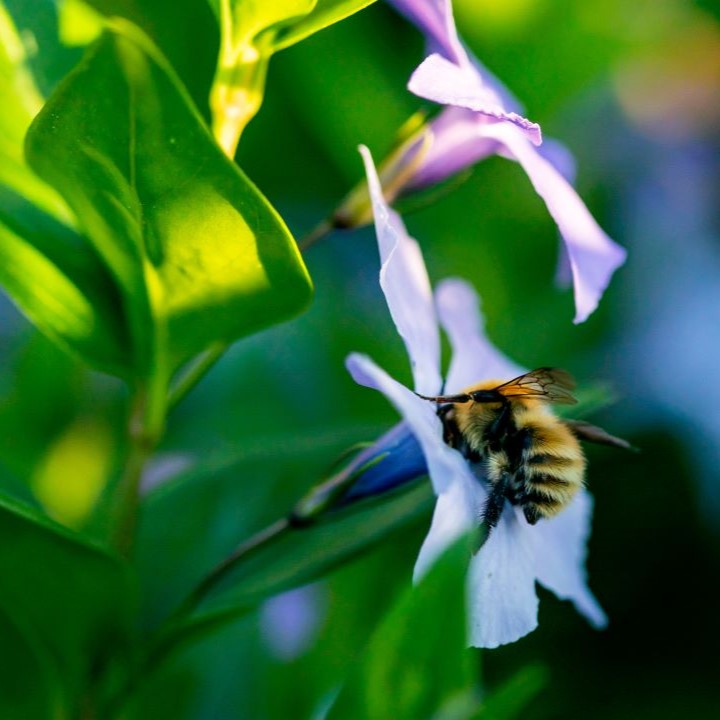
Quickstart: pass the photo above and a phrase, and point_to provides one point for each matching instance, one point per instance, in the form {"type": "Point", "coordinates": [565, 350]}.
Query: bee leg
{"type": "Point", "coordinates": [495, 503]}
{"type": "Point", "coordinates": [502, 426]}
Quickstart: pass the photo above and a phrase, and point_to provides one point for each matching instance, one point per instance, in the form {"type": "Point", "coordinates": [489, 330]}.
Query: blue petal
{"type": "Point", "coordinates": [445, 464]}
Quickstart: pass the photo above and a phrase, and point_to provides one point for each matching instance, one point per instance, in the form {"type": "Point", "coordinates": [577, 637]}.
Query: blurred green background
{"type": "Point", "coordinates": [634, 91]}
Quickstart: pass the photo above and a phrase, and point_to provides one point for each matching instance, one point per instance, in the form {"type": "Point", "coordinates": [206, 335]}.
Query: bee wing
{"type": "Point", "coordinates": [545, 383]}
{"type": "Point", "coordinates": [592, 433]}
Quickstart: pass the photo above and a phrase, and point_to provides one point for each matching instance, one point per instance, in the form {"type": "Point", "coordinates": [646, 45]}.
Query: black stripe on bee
{"type": "Point", "coordinates": [537, 497]}
{"type": "Point", "coordinates": [548, 481]}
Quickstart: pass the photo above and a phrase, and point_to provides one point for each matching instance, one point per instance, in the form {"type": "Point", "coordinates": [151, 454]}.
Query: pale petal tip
{"type": "Point", "coordinates": [356, 364]}
{"type": "Point", "coordinates": [587, 299]}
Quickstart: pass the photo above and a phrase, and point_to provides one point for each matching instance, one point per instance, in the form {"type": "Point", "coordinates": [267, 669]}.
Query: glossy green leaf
{"type": "Point", "coordinates": [175, 26]}
{"type": "Point", "coordinates": [73, 597]}
{"type": "Point", "coordinates": [297, 556]}
{"type": "Point", "coordinates": [251, 31]}
{"type": "Point", "coordinates": [417, 660]}
{"type": "Point", "coordinates": [21, 101]}
{"type": "Point", "coordinates": [49, 271]}
{"type": "Point", "coordinates": [250, 18]}
{"type": "Point", "coordinates": [286, 21]}
{"type": "Point", "coordinates": [222, 497]}
{"type": "Point", "coordinates": [324, 14]}
{"type": "Point", "coordinates": [199, 254]}
{"type": "Point", "coordinates": [59, 283]}
{"type": "Point", "coordinates": [304, 554]}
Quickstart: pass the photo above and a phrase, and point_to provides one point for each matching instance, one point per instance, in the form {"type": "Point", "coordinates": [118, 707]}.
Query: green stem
{"type": "Point", "coordinates": [260, 540]}
{"type": "Point", "coordinates": [196, 371]}
{"type": "Point", "coordinates": [319, 232]}
{"type": "Point", "coordinates": [141, 442]}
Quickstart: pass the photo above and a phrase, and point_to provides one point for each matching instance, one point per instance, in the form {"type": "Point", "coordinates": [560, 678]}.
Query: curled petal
{"type": "Point", "coordinates": [405, 283]}
{"type": "Point", "coordinates": [474, 357]}
{"type": "Point", "coordinates": [434, 19]}
{"type": "Point", "coordinates": [445, 464]}
{"type": "Point", "coordinates": [502, 600]}
{"type": "Point", "coordinates": [444, 82]}
{"type": "Point", "coordinates": [561, 550]}
{"type": "Point", "coordinates": [593, 256]}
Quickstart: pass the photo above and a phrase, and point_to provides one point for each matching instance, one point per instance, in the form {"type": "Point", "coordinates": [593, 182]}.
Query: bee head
{"type": "Point", "coordinates": [487, 396]}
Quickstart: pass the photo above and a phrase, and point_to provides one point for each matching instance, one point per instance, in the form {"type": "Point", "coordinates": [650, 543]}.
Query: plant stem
{"type": "Point", "coordinates": [320, 231]}
{"type": "Point", "coordinates": [141, 445]}
{"type": "Point", "coordinates": [261, 539]}
{"type": "Point", "coordinates": [195, 372]}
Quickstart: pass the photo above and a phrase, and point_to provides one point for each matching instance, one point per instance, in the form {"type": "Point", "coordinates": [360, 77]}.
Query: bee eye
{"type": "Point", "coordinates": [485, 396]}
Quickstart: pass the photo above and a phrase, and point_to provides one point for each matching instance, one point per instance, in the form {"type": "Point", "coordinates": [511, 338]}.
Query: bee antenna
{"type": "Point", "coordinates": [440, 399]}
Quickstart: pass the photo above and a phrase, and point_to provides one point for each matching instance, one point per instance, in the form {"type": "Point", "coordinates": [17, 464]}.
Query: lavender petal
{"type": "Point", "coordinates": [444, 82]}
{"type": "Point", "coordinates": [593, 256]}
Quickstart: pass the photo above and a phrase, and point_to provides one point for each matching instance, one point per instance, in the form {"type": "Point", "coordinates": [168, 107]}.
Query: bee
{"type": "Point", "coordinates": [527, 455]}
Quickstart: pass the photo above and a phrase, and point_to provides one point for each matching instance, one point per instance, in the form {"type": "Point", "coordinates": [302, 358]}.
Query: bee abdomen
{"type": "Point", "coordinates": [540, 458]}
{"type": "Point", "coordinates": [555, 472]}
{"type": "Point", "coordinates": [538, 504]}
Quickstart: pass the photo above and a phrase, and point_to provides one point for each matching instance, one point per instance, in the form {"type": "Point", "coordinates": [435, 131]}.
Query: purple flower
{"type": "Point", "coordinates": [482, 118]}
{"type": "Point", "coordinates": [502, 600]}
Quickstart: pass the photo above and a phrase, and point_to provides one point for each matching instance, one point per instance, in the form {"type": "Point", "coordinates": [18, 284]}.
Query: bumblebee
{"type": "Point", "coordinates": [527, 455]}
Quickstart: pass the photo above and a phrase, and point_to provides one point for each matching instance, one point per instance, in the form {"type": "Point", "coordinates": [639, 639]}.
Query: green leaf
{"type": "Point", "coordinates": [298, 556]}
{"type": "Point", "coordinates": [279, 24]}
{"type": "Point", "coordinates": [304, 554]}
{"type": "Point", "coordinates": [251, 31]}
{"type": "Point", "coordinates": [251, 18]}
{"type": "Point", "coordinates": [60, 284]}
{"type": "Point", "coordinates": [324, 14]}
{"type": "Point", "coordinates": [174, 26]}
{"type": "Point", "coordinates": [417, 660]}
{"type": "Point", "coordinates": [234, 490]}
{"type": "Point", "coordinates": [49, 271]}
{"type": "Point", "coordinates": [71, 596]}
{"type": "Point", "coordinates": [199, 254]}
{"type": "Point", "coordinates": [21, 101]}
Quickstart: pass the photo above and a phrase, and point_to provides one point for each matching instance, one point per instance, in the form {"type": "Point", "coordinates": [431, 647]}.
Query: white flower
{"type": "Point", "coordinates": [503, 604]}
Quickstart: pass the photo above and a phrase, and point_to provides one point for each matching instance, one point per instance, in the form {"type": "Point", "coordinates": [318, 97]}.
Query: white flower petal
{"type": "Point", "coordinates": [474, 357]}
{"type": "Point", "coordinates": [445, 465]}
{"type": "Point", "coordinates": [594, 257]}
{"type": "Point", "coordinates": [561, 550]}
{"type": "Point", "coordinates": [444, 82]}
{"type": "Point", "coordinates": [457, 511]}
{"type": "Point", "coordinates": [502, 600]}
{"type": "Point", "coordinates": [405, 283]}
